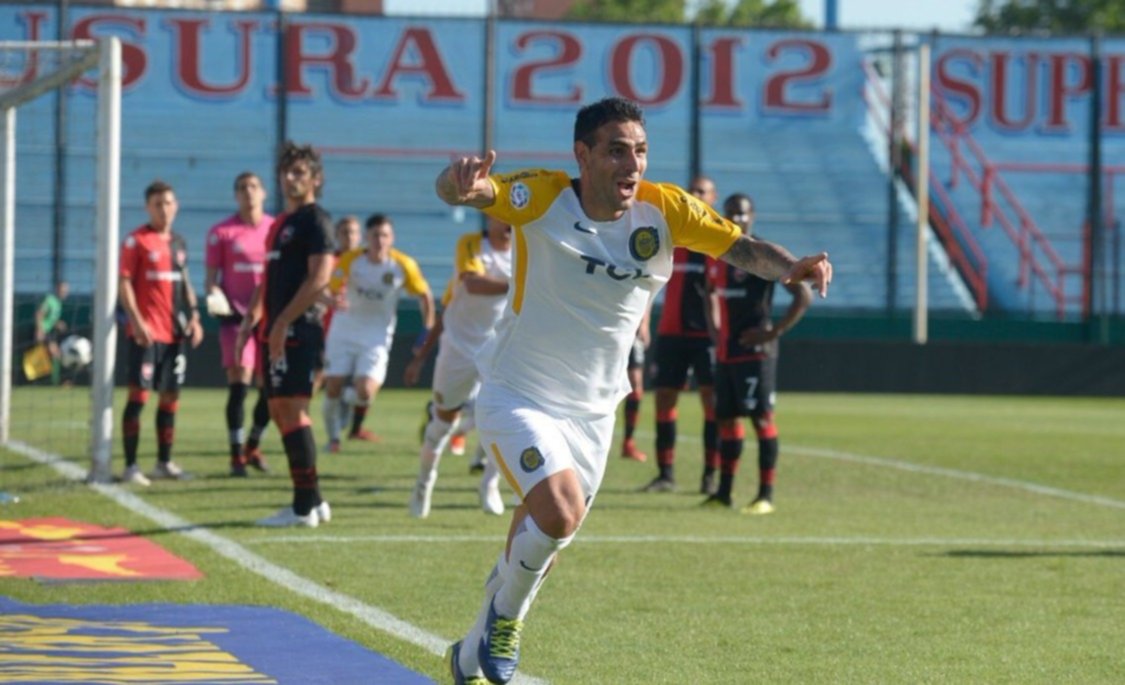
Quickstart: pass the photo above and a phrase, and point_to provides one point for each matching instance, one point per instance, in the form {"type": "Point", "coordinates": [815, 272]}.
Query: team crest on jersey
{"type": "Point", "coordinates": [286, 235]}
{"type": "Point", "coordinates": [181, 257]}
{"type": "Point", "coordinates": [644, 243]}
{"type": "Point", "coordinates": [388, 278]}
{"type": "Point", "coordinates": [519, 195]}
{"type": "Point", "coordinates": [154, 257]}
{"type": "Point", "coordinates": [531, 459]}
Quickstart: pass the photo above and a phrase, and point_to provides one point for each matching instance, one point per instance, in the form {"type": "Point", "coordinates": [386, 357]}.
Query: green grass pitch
{"type": "Point", "coordinates": [918, 539]}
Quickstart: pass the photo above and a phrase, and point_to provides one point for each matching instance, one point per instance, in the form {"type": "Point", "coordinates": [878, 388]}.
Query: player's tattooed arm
{"type": "Point", "coordinates": [773, 262]}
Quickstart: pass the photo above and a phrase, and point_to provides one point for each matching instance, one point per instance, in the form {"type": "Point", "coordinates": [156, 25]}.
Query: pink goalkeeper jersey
{"type": "Point", "coordinates": [238, 251]}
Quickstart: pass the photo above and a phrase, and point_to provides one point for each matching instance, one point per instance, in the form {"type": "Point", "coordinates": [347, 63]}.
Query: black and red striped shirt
{"type": "Point", "coordinates": [745, 301]}
{"type": "Point", "coordinates": [685, 297]}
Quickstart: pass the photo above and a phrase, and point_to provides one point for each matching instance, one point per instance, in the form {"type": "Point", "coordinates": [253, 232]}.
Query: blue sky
{"type": "Point", "coordinates": [950, 16]}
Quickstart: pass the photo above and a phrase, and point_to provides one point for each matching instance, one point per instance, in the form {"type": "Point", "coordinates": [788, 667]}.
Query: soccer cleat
{"type": "Point", "coordinates": [237, 469]}
{"type": "Point", "coordinates": [460, 678]}
{"type": "Point", "coordinates": [717, 502]}
{"type": "Point", "coordinates": [457, 445]}
{"type": "Point", "coordinates": [629, 451]}
{"type": "Point", "coordinates": [287, 518]}
{"type": "Point", "coordinates": [167, 470]}
{"type": "Point", "coordinates": [490, 500]}
{"type": "Point", "coordinates": [421, 497]}
{"type": "Point", "coordinates": [255, 460]}
{"type": "Point", "coordinates": [364, 435]}
{"type": "Point", "coordinates": [660, 484]}
{"type": "Point", "coordinates": [499, 649]}
{"type": "Point", "coordinates": [333, 447]}
{"type": "Point", "coordinates": [323, 512]}
{"type": "Point", "coordinates": [707, 485]}
{"type": "Point", "coordinates": [132, 475]}
{"type": "Point", "coordinates": [759, 507]}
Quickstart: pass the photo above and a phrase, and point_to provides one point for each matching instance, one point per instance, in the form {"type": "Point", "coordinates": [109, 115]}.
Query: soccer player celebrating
{"type": "Point", "coordinates": [367, 283]}
{"type": "Point", "coordinates": [473, 303]}
{"type": "Point", "coordinates": [683, 345]}
{"type": "Point", "coordinates": [746, 367]}
{"type": "Point", "coordinates": [236, 251]}
{"type": "Point", "coordinates": [592, 253]}
{"type": "Point", "coordinates": [159, 302]}
{"type": "Point", "coordinates": [298, 266]}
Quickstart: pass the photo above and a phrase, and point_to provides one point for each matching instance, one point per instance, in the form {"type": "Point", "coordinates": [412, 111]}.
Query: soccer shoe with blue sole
{"type": "Point", "coordinates": [460, 678]}
{"type": "Point", "coordinates": [499, 649]}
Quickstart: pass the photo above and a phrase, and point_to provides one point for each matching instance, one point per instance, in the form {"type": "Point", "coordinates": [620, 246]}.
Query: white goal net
{"type": "Point", "coordinates": [60, 109]}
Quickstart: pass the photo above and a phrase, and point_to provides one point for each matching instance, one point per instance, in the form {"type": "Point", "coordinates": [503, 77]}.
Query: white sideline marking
{"type": "Point", "coordinates": [372, 616]}
{"type": "Point", "coordinates": [708, 540]}
{"type": "Point", "coordinates": [958, 474]}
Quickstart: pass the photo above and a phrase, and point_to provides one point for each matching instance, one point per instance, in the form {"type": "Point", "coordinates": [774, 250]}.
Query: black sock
{"type": "Point", "coordinates": [131, 430]}
{"type": "Point", "coordinates": [632, 408]}
{"type": "Point", "coordinates": [165, 430]}
{"type": "Point", "coordinates": [261, 420]}
{"type": "Point", "coordinates": [300, 448]}
{"type": "Point", "coordinates": [359, 413]}
{"type": "Point", "coordinates": [236, 416]}
{"type": "Point", "coordinates": [731, 451]}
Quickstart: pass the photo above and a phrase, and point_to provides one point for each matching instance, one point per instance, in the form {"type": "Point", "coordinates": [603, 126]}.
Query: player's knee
{"type": "Point", "coordinates": [731, 429]}
{"type": "Point", "coordinates": [764, 425]}
{"type": "Point", "coordinates": [138, 396]}
{"type": "Point", "coordinates": [557, 505]}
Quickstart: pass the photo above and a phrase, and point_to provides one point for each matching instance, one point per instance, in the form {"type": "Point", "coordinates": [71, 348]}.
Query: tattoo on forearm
{"type": "Point", "coordinates": [759, 257]}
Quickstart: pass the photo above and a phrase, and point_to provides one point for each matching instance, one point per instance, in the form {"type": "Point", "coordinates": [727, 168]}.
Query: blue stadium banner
{"type": "Point", "coordinates": [166, 643]}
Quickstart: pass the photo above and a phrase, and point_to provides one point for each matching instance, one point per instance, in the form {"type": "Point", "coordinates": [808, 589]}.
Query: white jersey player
{"type": "Point", "coordinates": [590, 254]}
{"type": "Point", "coordinates": [366, 284]}
{"type": "Point", "coordinates": [473, 301]}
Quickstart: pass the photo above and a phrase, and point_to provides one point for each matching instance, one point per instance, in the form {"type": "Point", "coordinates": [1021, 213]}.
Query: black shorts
{"type": "Point", "coordinates": [293, 375]}
{"type": "Point", "coordinates": [160, 366]}
{"type": "Point", "coordinates": [636, 355]}
{"type": "Point", "coordinates": [745, 388]}
{"type": "Point", "coordinates": [675, 355]}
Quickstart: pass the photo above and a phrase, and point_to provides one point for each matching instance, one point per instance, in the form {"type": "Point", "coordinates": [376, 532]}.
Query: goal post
{"type": "Point", "coordinates": [66, 61]}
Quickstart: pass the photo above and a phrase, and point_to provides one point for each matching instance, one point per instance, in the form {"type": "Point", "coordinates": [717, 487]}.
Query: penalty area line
{"type": "Point", "coordinates": [281, 576]}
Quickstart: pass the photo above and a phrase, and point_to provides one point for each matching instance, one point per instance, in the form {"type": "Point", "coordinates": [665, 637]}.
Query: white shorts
{"type": "Point", "coordinates": [531, 444]}
{"type": "Point", "coordinates": [348, 357]}
{"type": "Point", "coordinates": [456, 379]}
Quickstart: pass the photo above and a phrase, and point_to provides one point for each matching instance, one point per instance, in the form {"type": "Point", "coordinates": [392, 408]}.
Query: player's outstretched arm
{"type": "Point", "coordinates": [774, 262]}
{"type": "Point", "coordinates": [465, 181]}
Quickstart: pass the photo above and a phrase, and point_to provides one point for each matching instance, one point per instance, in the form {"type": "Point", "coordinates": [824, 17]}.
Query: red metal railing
{"type": "Point", "coordinates": [955, 235]}
{"type": "Point", "coordinates": [1038, 257]}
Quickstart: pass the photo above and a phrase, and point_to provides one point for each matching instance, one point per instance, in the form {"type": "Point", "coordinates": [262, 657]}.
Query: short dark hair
{"type": "Point", "coordinates": [737, 198]}
{"type": "Point", "coordinates": [595, 115]}
{"type": "Point", "coordinates": [245, 175]}
{"type": "Point", "coordinates": [156, 188]}
{"type": "Point", "coordinates": [292, 153]}
{"type": "Point", "coordinates": [377, 220]}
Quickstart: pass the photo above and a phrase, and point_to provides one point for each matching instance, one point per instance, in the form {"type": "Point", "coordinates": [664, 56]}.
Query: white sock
{"type": "Point", "coordinates": [331, 410]}
{"type": "Point", "coordinates": [531, 555]}
{"type": "Point", "coordinates": [491, 473]}
{"type": "Point", "coordinates": [343, 415]}
{"type": "Point", "coordinates": [433, 444]}
{"type": "Point", "coordinates": [468, 661]}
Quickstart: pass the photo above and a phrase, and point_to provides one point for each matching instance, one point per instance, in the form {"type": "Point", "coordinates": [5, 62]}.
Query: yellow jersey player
{"type": "Point", "coordinates": [590, 254]}
{"type": "Point", "coordinates": [473, 301]}
{"type": "Point", "coordinates": [367, 282]}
